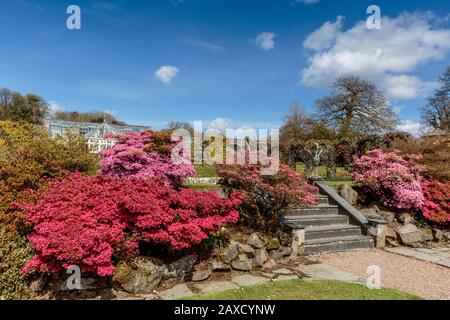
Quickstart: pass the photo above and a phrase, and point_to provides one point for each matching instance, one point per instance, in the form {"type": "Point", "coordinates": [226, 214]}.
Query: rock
{"type": "Point", "coordinates": [405, 218]}
{"type": "Point", "coordinates": [247, 249]}
{"type": "Point", "coordinates": [177, 292]}
{"type": "Point", "coordinates": [274, 244]}
{"type": "Point", "coordinates": [276, 254]}
{"type": "Point", "coordinates": [348, 193]}
{"type": "Point", "coordinates": [370, 213]}
{"type": "Point", "coordinates": [388, 216]}
{"type": "Point", "coordinates": [446, 235]}
{"type": "Point", "coordinates": [246, 280]}
{"type": "Point", "coordinates": [390, 233]}
{"type": "Point", "coordinates": [409, 234]}
{"type": "Point", "coordinates": [230, 252]}
{"type": "Point", "coordinates": [280, 253]}
{"type": "Point", "coordinates": [217, 265]}
{"type": "Point", "coordinates": [37, 286]}
{"type": "Point", "coordinates": [255, 241]}
{"type": "Point", "coordinates": [437, 235]}
{"type": "Point", "coordinates": [282, 271]}
{"type": "Point", "coordinates": [181, 267]}
{"type": "Point", "coordinates": [271, 263]}
{"type": "Point", "coordinates": [242, 263]}
{"type": "Point", "coordinates": [215, 286]}
{"type": "Point", "coordinates": [201, 275]}
{"type": "Point", "coordinates": [287, 251]}
{"type": "Point", "coordinates": [141, 275]}
{"type": "Point", "coordinates": [261, 257]}
{"type": "Point", "coordinates": [391, 242]}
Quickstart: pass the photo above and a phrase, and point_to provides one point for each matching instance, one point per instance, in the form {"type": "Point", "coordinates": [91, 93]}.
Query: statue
{"type": "Point", "coordinates": [313, 161]}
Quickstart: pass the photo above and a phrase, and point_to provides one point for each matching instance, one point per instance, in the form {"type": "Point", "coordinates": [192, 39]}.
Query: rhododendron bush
{"type": "Point", "coordinates": [265, 196]}
{"type": "Point", "coordinates": [146, 155]}
{"type": "Point", "coordinates": [437, 201]}
{"type": "Point", "coordinates": [392, 177]}
{"type": "Point", "coordinates": [90, 221]}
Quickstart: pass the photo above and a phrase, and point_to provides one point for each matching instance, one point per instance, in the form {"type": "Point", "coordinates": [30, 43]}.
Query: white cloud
{"type": "Point", "coordinates": [402, 45]}
{"type": "Point", "coordinates": [265, 40]}
{"type": "Point", "coordinates": [406, 87]}
{"type": "Point", "coordinates": [221, 124]}
{"type": "Point", "coordinates": [325, 36]}
{"type": "Point", "coordinates": [54, 107]}
{"type": "Point", "coordinates": [166, 74]}
{"type": "Point", "coordinates": [414, 128]}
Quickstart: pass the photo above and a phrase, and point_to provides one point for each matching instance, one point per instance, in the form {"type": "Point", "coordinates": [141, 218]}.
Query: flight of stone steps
{"type": "Point", "coordinates": [325, 229]}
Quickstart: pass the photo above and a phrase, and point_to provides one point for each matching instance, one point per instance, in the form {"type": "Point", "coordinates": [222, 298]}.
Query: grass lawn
{"type": "Point", "coordinates": [205, 171]}
{"type": "Point", "coordinates": [307, 290]}
{"type": "Point", "coordinates": [202, 187]}
{"type": "Point", "coordinates": [340, 183]}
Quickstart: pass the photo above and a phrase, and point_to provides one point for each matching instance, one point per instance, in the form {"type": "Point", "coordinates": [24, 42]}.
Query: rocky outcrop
{"type": "Point", "coordinates": [348, 193]}
{"type": "Point", "coordinates": [242, 263]}
{"type": "Point", "coordinates": [410, 234]}
{"type": "Point", "coordinates": [255, 241]}
{"type": "Point", "coordinates": [405, 218]}
{"type": "Point", "coordinates": [141, 275]}
{"type": "Point", "coordinates": [180, 267]}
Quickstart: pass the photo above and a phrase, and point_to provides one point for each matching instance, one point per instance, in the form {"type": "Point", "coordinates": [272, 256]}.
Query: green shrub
{"type": "Point", "coordinates": [15, 251]}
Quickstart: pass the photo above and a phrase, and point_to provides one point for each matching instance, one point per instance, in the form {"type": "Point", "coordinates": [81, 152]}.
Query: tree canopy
{"type": "Point", "coordinates": [356, 106]}
{"type": "Point", "coordinates": [16, 107]}
{"type": "Point", "coordinates": [436, 113]}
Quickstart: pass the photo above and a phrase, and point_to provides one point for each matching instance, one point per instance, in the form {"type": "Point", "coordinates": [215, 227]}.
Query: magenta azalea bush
{"type": "Point", "coordinates": [93, 221]}
{"type": "Point", "coordinates": [145, 155]}
{"type": "Point", "coordinates": [392, 177]}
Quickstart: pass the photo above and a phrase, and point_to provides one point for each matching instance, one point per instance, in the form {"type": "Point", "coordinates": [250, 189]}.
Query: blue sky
{"type": "Point", "coordinates": [239, 62]}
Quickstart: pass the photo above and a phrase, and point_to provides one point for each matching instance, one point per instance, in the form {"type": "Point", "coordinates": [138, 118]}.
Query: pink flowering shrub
{"type": "Point", "coordinates": [90, 221]}
{"type": "Point", "coordinates": [437, 201]}
{"type": "Point", "coordinates": [391, 177]}
{"type": "Point", "coordinates": [265, 196]}
{"type": "Point", "coordinates": [146, 155]}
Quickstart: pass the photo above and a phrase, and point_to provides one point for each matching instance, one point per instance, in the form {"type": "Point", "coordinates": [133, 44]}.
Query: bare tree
{"type": "Point", "coordinates": [437, 111]}
{"type": "Point", "coordinates": [356, 106]}
{"type": "Point", "coordinates": [295, 131]}
{"type": "Point", "coordinates": [5, 102]}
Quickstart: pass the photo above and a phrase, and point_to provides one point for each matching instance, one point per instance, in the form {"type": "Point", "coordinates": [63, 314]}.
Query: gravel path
{"type": "Point", "coordinates": [422, 278]}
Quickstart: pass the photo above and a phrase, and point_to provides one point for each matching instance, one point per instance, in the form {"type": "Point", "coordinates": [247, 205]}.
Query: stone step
{"type": "Point", "coordinates": [305, 221]}
{"type": "Point", "coordinates": [337, 244]}
{"type": "Point", "coordinates": [321, 199]}
{"type": "Point", "coordinates": [316, 210]}
{"type": "Point", "coordinates": [332, 232]}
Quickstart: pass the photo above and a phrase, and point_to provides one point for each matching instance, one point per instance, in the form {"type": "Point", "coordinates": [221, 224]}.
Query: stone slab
{"type": "Point", "coordinates": [215, 286]}
{"type": "Point", "coordinates": [249, 280]}
{"type": "Point", "coordinates": [326, 272]}
{"type": "Point", "coordinates": [175, 293]}
{"type": "Point", "coordinates": [433, 255]}
{"type": "Point", "coordinates": [282, 271]}
{"type": "Point", "coordinates": [287, 277]}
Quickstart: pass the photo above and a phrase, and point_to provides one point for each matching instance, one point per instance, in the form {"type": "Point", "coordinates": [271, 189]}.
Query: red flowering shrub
{"type": "Point", "coordinates": [437, 201]}
{"type": "Point", "coordinates": [391, 177]}
{"type": "Point", "coordinates": [88, 221]}
{"type": "Point", "coordinates": [146, 155]}
{"type": "Point", "coordinates": [265, 196]}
